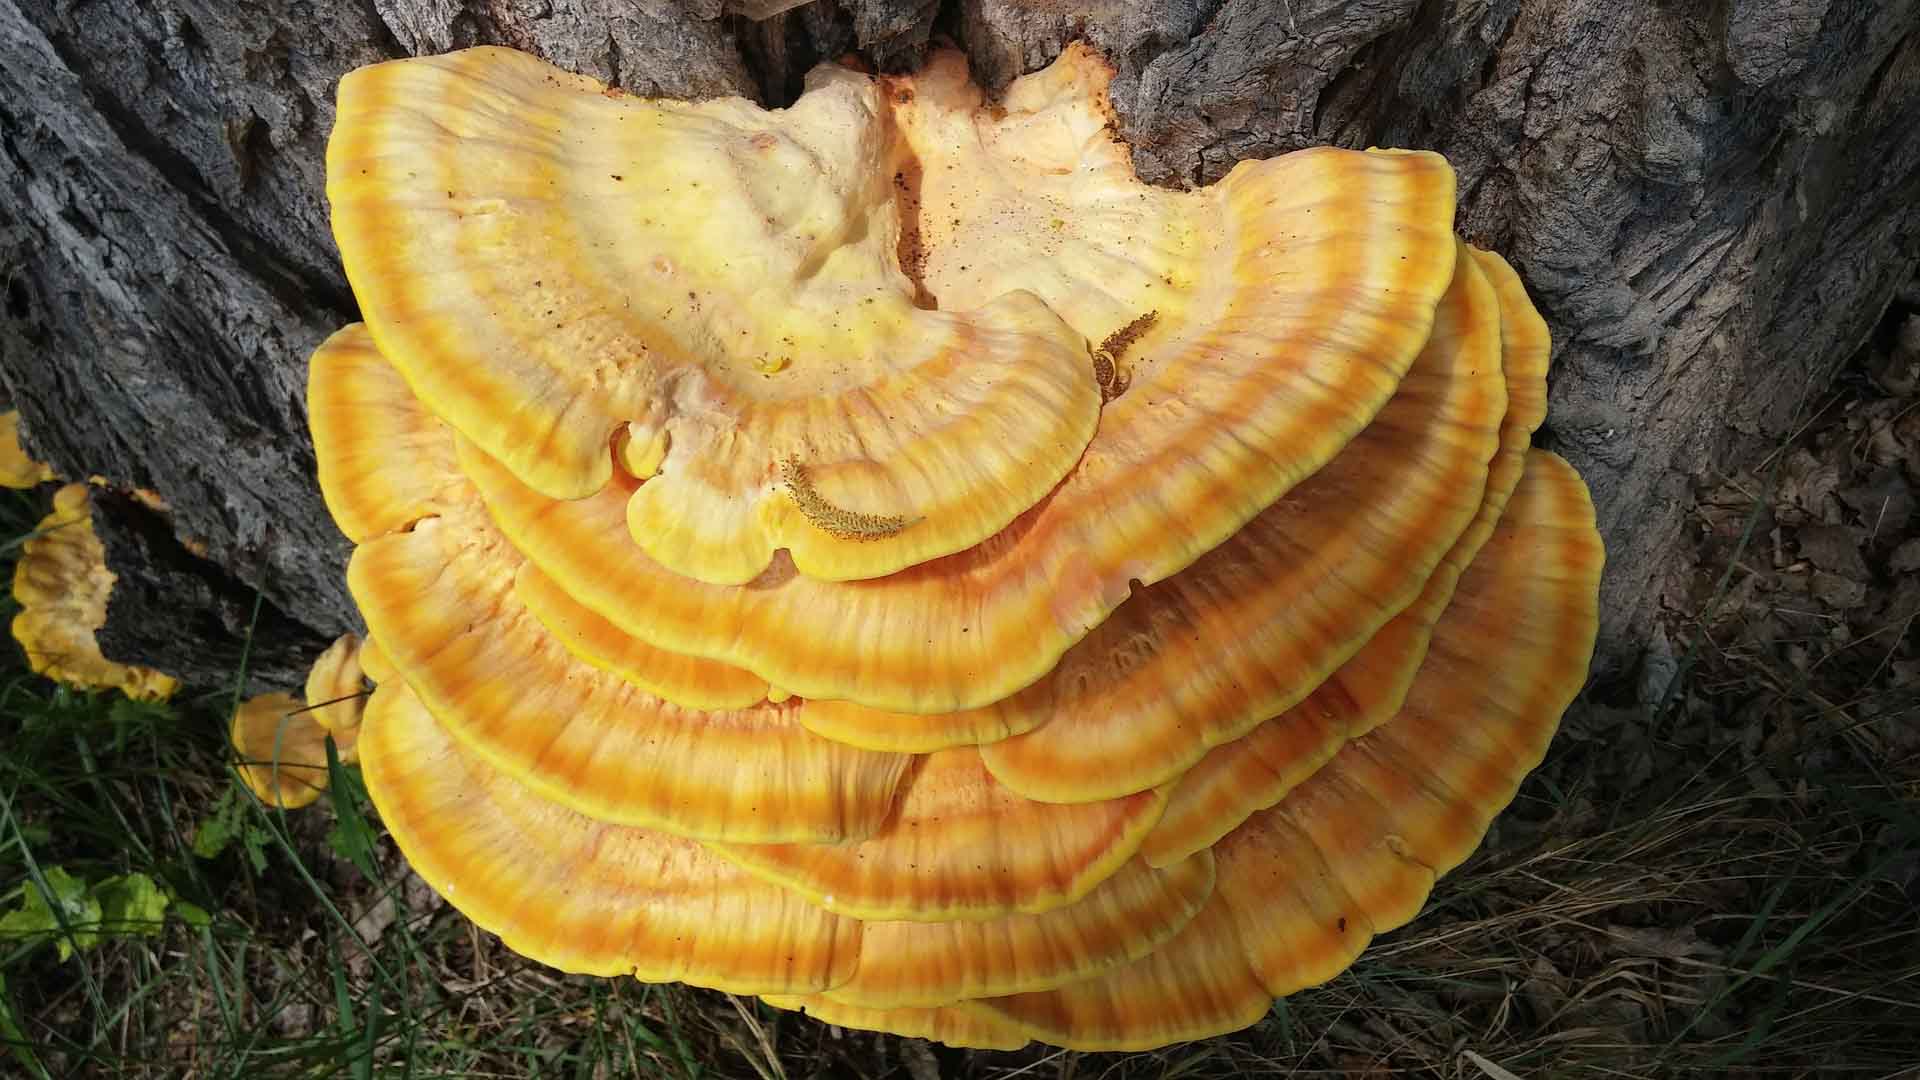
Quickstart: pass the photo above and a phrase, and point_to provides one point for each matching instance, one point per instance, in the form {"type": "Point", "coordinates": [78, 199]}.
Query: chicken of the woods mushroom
{"type": "Point", "coordinates": [62, 584]}
{"type": "Point", "coordinates": [882, 556]}
{"type": "Point", "coordinates": [280, 739]}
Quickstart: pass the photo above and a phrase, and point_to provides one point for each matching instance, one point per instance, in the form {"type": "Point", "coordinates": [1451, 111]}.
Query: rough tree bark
{"type": "Point", "coordinates": [1710, 200]}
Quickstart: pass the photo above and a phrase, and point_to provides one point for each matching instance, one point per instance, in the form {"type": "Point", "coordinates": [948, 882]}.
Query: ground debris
{"type": "Point", "coordinates": [1808, 562]}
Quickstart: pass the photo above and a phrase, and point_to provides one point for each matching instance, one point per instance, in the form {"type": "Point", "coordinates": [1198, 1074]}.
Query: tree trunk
{"type": "Point", "coordinates": [1709, 201]}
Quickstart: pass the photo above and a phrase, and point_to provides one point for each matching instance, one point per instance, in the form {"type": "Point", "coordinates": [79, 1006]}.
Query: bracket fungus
{"type": "Point", "coordinates": [17, 470]}
{"type": "Point", "coordinates": [280, 740]}
{"type": "Point", "coordinates": [280, 750]}
{"type": "Point", "coordinates": [62, 585]}
{"type": "Point", "coordinates": [749, 307]}
{"type": "Point", "coordinates": [1015, 601]}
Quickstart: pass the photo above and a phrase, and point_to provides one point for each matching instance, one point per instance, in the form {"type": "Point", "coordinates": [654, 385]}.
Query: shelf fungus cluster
{"type": "Point", "coordinates": [280, 739]}
{"type": "Point", "coordinates": [61, 584]}
{"type": "Point", "coordinates": [881, 556]}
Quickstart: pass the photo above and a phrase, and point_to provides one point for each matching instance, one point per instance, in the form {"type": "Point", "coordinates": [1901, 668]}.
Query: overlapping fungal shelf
{"type": "Point", "coordinates": [881, 556]}
{"type": "Point", "coordinates": [61, 585]}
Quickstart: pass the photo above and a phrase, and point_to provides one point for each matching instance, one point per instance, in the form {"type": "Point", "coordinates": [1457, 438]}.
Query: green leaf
{"type": "Point", "coordinates": [255, 839]}
{"type": "Point", "coordinates": [351, 836]}
{"type": "Point", "coordinates": [27, 921]}
{"type": "Point", "coordinates": [230, 821]}
{"type": "Point", "coordinates": [79, 910]}
{"type": "Point", "coordinates": [212, 837]}
{"type": "Point", "coordinates": [130, 904]}
{"type": "Point", "coordinates": [69, 892]}
{"type": "Point", "coordinates": [192, 914]}
{"type": "Point", "coordinates": [218, 829]}
{"type": "Point", "coordinates": [124, 904]}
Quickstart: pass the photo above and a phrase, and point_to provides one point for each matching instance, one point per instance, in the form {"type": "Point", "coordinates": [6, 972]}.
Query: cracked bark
{"type": "Point", "coordinates": [1711, 203]}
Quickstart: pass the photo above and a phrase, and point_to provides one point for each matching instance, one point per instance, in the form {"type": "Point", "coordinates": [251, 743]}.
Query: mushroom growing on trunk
{"type": "Point", "coordinates": [882, 556]}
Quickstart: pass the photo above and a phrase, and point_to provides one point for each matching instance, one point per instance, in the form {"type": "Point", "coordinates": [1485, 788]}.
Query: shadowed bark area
{"type": "Point", "coordinates": [1710, 202]}
{"type": "Point", "coordinates": [186, 616]}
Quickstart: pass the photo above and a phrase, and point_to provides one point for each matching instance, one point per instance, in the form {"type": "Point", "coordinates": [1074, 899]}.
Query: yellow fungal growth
{"type": "Point", "coordinates": [777, 589]}
{"type": "Point", "coordinates": [1290, 300]}
{"type": "Point", "coordinates": [952, 1025]}
{"type": "Point", "coordinates": [280, 742]}
{"type": "Point", "coordinates": [62, 584]}
{"type": "Point", "coordinates": [337, 693]}
{"type": "Point", "coordinates": [838, 521]}
{"type": "Point", "coordinates": [601, 261]}
{"type": "Point", "coordinates": [281, 750]}
{"type": "Point", "coordinates": [17, 470]}
{"type": "Point", "coordinates": [641, 458]}
{"type": "Point", "coordinates": [375, 665]}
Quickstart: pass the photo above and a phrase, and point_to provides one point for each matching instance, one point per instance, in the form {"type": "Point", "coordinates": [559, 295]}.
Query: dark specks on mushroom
{"type": "Point", "coordinates": [1113, 381]}
{"type": "Point", "coordinates": [835, 520]}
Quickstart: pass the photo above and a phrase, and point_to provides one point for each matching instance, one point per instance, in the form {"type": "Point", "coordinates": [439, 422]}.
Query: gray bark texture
{"type": "Point", "coordinates": [1710, 200]}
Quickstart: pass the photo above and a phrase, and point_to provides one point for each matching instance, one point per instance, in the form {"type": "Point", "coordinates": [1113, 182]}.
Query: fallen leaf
{"type": "Point", "coordinates": [1807, 489]}
{"type": "Point", "coordinates": [1884, 502]}
{"type": "Point", "coordinates": [1905, 558]}
{"type": "Point", "coordinates": [1834, 548]}
{"type": "Point", "coordinates": [1838, 592]}
{"type": "Point", "coordinates": [1665, 942]}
